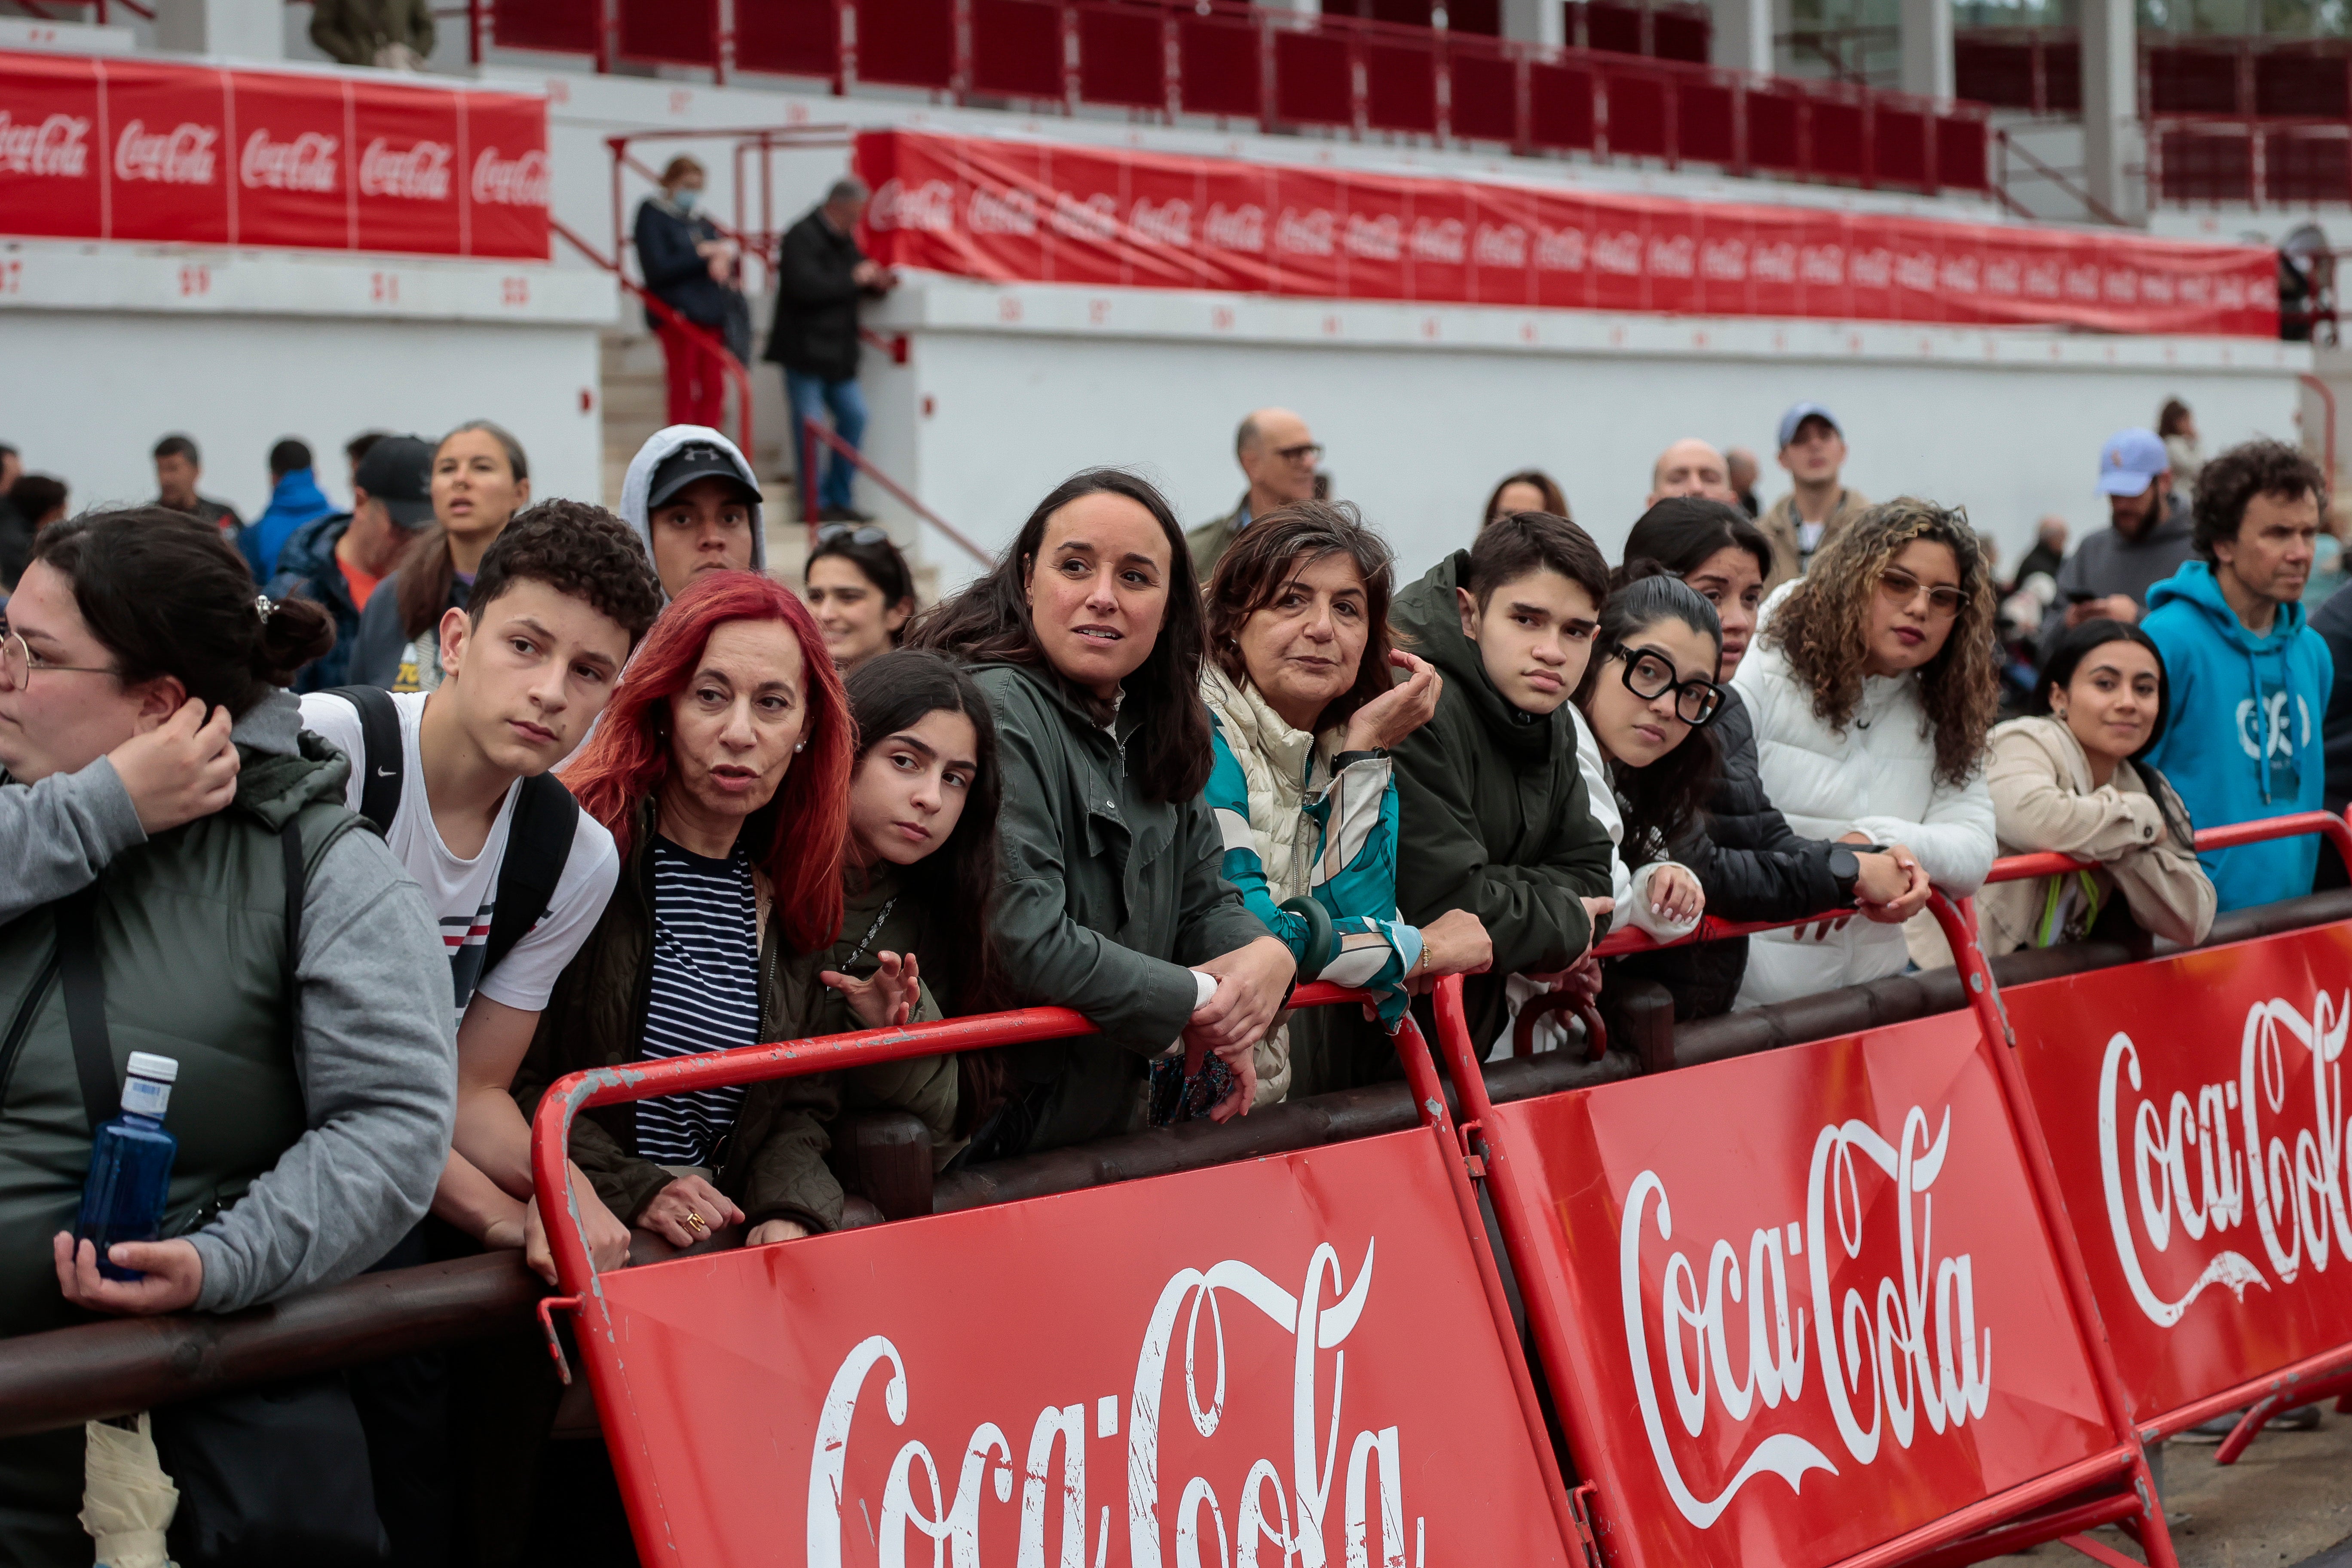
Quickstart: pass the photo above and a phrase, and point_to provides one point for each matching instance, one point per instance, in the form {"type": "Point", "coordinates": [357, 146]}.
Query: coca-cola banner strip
{"type": "Point", "coordinates": [194, 155]}
{"type": "Point", "coordinates": [1812, 1294]}
{"type": "Point", "coordinates": [1288, 1359]}
{"type": "Point", "coordinates": [1021, 211]}
{"type": "Point", "coordinates": [2197, 1120]}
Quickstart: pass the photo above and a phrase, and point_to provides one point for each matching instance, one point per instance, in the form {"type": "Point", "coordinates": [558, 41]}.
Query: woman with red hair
{"type": "Point", "coordinates": [721, 768]}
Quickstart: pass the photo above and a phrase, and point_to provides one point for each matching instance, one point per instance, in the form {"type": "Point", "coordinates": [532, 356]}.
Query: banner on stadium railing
{"type": "Point", "coordinates": [2196, 1117]}
{"type": "Point", "coordinates": [1040, 212]}
{"type": "Point", "coordinates": [1816, 1304]}
{"type": "Point", "coordinates": [1286, 1361]}
{"type": "Point", "coordinates": [130, 150]}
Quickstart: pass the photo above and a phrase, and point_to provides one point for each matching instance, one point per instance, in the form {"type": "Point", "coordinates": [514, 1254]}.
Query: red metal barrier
{"type": "Point", "coordinates": [1973, 1410]}
{"type": "Point", "coordinates": [731, 1385]}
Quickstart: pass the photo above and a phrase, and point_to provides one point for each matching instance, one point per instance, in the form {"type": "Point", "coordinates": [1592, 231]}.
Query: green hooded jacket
{"type": "Point", "coordinates": [1491, 810]}
{"type": "Point", "coordinates": [1108, 898]}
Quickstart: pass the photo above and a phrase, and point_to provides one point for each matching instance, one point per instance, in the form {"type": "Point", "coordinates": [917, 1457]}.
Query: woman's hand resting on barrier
{"type": "Point", "coordinates": [884, 999]}
{"type": "Point", "coordinates": [769, 1230]}
{"type": "Point", "coordinates": [1595, 911]}
{"type": "Point", "coordinates": [607, 1237]}
{"type": "Point", "coordinates": [685, 1212]}
{"type": "Point", "coordinates": [1893, 886]}
{"type": "Point", "coordinates": [1676, 895]}
{"type": "Point", "coordinates": [1252, 982]}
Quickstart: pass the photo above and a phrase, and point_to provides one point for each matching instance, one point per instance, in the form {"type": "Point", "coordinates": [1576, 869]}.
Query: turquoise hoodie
{"type": "Point", "coordinates": [2228, 690]}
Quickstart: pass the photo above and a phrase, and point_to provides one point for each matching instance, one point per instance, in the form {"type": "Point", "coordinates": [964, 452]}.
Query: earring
{"type": "Point", "coordinates": [799, 749]}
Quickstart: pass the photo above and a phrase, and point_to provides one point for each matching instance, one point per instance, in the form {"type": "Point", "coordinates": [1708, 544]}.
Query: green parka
{"type": "Point", "coordinates": [772, 1163]}
{"type": "Point", "coordinates": [1108, 897]}
{"type": "Point", "coordinates": [1491, 810]}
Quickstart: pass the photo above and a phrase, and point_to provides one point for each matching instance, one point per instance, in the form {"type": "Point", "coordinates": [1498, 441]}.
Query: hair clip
{"type": "Point", "coordinates": [262, 606]}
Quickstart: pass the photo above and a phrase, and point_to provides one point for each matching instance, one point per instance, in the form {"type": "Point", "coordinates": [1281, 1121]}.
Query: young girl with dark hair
{"type": "Point", "coordinates": [1086, 638]}
{"type": "Point", "coordinates": [862, 591]}
{"type": "Point", "coordinates": [480, 479]}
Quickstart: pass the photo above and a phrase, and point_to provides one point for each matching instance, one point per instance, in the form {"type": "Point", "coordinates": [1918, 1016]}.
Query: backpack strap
{"type": "Point", "coordinates": [384, 765]}
{"type": "Point", "coordinates": [539, 843]}
{"type": "Point", "coordinates": [85, 989]}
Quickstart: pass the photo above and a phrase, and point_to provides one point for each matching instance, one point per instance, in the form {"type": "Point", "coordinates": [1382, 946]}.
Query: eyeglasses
{"type": "Point", "coordinates": [1305, 452]}
{"type": "Point", "coordinates": [17, 664]}
{"type": "Point", "coordinates": [1650, 675]}
{"type": "Point", "coordinates": [1900, 587]}
{"type": "Point", "coordinates": [857, 533]}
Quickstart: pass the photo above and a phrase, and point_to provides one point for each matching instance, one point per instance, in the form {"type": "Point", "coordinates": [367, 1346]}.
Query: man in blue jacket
{"type": "Point", "coordinates": [2250, 681]}
{"type": "Point", "coordinates": [295, 498]}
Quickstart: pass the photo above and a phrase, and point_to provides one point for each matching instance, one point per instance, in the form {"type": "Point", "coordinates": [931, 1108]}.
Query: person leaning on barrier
{"type": "Point", "coordinates": [1752, 865]}
{"type": "Point", "coordinates": [313, 1122]}
{"type": "Point", "coordinates": [1302, 692]}
{"type": "Point", "coordinates": [1087, 637]}
{"type": "Point", "coordinates": [2073, 778]}
{"type": "Point", "coordinates": [1494, 814]}
{"type": "Point", "coordinates": [1873, 686]}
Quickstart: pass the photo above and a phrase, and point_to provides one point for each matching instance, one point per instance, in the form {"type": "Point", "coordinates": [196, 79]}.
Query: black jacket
{"type": "Point", "coordinates": [1753, 866]}
{"type": "Point", "coordinates": [307, 569]}
{"type": "Point", "coordinates": [2333, 622]}
{"type": "Point", "coordinates": [675, 274]}
{"type": "Point", "coordinates": [815, 330]}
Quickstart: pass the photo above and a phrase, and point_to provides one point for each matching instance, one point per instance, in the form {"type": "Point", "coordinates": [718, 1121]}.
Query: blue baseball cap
{"type": "Point", "coordinates": [1798, 413]}
{"type": "Point", "coordinates": [2130, 461]}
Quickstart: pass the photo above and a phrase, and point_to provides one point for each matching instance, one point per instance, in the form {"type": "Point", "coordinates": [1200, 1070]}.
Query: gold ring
{"type": "Point", "coordinates": [695, 1220]}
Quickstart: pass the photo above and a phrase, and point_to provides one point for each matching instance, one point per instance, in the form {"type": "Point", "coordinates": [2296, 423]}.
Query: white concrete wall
{"type": "Point", "coordinates": [89, 394]}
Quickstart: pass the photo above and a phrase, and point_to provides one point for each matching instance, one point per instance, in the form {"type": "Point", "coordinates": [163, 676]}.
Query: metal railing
{"type": "Point", "coordinates": [2039, 70]}
{"type": "Point", "coordinates": [2244, 159]}
{"type": "Point", "coordinates": [815, 433]}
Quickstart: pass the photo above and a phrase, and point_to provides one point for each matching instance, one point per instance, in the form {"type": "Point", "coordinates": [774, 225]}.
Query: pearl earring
{"type": "Point", "coordinates": [802, 747]}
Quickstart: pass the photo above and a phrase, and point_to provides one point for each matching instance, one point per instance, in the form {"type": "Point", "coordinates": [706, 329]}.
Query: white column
{"type": "Point", "coordinates": [243, 29]}
{"type": "Point", "coordinates": [1536, 21]}
{"type": "Point", "coordinates": [2114, 157]}
{"type": "Point", "coordinates": [1743, 35]}
{"type": "Point", "coordinates": [1927, 29]}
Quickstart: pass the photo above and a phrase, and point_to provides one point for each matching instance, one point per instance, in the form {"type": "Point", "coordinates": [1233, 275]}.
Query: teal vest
{"type": "Point", "coordinates": [191, 931]}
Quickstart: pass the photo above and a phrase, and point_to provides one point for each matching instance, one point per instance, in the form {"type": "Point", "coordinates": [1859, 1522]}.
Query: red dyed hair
{"type": "Point", "coordinates": [808, 821]}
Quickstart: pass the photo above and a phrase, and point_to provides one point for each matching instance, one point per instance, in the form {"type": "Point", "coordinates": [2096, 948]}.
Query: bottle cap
{"type": "Point", "coordinates": [145, 1064]}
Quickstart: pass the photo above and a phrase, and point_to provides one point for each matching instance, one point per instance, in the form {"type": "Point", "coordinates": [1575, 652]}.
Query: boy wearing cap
{"type": "Point", "coordinates": [1812, 448]}
{"type": "Point", "coordinates": [694, 501]}
{"type": "Point", "coordinates": [2148, 536]}
{"type": "Point", "coordinates": [338, 558]}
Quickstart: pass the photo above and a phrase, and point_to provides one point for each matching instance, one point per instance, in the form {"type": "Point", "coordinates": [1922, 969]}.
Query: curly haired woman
{"type": "Point", "coordinates": [1874, 687]}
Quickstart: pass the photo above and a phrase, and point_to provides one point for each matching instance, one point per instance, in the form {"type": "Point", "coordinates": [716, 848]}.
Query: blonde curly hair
{"type": "Point", "coordinates": [1823, 628]}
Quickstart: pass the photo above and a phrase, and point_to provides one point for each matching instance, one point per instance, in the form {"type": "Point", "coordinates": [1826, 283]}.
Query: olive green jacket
{"type": "Point", "coordinates": [1492, 811]}
{"type": "Point", "coordinates": [1107, 896]}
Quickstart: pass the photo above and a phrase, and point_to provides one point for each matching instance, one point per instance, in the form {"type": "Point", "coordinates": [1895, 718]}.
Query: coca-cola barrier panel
{"type": "Point", "coordinates": [1283, 1362]}
{"type": "Point", "coordinates": [1815, 1304]}
{"type": "Point", "coordinates": [1000, 210]}
{"type": "Point", "coordinates": [51, 180]}
{"type": "Point", "coordinates": [2196, 1117]}
{"type": "Point", "coordinates": [293, 152]}
{"type": "Point", "coordinates": [167, 152]}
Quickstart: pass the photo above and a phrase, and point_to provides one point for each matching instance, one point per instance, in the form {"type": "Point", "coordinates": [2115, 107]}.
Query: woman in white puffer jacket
{"type": "Point", "coordinates": [1874, 687]}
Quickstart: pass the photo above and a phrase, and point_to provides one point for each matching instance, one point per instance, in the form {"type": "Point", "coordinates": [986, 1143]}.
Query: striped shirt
{"type": "Point", "coordinates": [705, 995]}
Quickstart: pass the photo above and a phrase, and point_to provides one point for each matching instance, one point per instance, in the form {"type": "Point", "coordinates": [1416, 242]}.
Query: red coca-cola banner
{"type": "Point", "coordinates": [128, 150]}
{"type": "Point", "coordinates": [1038, 212]}
{"type": "Point", "coordinates": [2196, 1115]}
{"type": "Point", "coordinates": [1286, 1361]}
{"type": "Point", "coordinates": [1813, 1303]}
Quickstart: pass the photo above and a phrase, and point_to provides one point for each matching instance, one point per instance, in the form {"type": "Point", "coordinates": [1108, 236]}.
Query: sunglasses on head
{"type": "Point", "coordinates": [1649, 674]}
{"type": "Point", "coordinates": [856, 533]}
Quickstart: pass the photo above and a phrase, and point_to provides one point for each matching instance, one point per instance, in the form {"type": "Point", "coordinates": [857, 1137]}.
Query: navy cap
{"type": "Point", "coordinates": [692, 461]}
{"type": "Point", "coordinates": [1798, 413]}
{"type": "Point", "coordinates": [2130, 461]}
{"type": "Point", "coordinates": [398, 471]}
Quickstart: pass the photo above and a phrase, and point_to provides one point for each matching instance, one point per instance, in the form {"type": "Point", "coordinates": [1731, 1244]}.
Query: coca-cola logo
{"type": "Point", "coordinates": [1823, 266]}
{"type": "Point", "coordinates": [1503, 247]}
{"type": "Point", "coordinates": [415, 173]}
{"type": "Point", "coordinates": [1774, 263]}
{"type": "Point", "coordinates": [2045, 280]}
{"type": "Point", "coordinates": [305, 163]}
{"type": "Point", "coordinates": [2196, 289]}
{"type": "Point", "coordinates": [1959, 274]}
{"type": "Point", "coordinates": [2121, 287]}
{"type": "Point", "coordinates": [1445, 241]}
{"type": "Point", "coordinates": [1096, 218]}
{"type": "Point", "coordinates": [1241, 227]}
{"type": "Point", "coordinates": [1723, 261]}
{"type": "Point", "coordinates": [2003, 275]}
{"type": "Point", "coordinates": [511, 182]}
{"type": "Point", "coordinates": [1893, 1353]}
{"type": "Point", "coordinates": [1333, 1495]}
{"type": "Point", "coordinates": [179, 156]}
{"type": "Point", "coordinates": [1003, 212]}
{"type": "Point", "coordinates": [1377, 238]}
{"type": "Point", "coordinates": [1916, 271]}
{"type": "Point", "coordinates": [1312, 233]}
{"type": "Point", "coordinates": [55, 148]}
{"type": "Point", "coordinates": [1872, 269]}
{"type": "Point", "coordinates": [2155, 288]}
{"type": "Point", "coordinates": [1673, 256]}
{"type": "Point", "coordinates": [2083, 283]}
{"type": "Point", "coordinates": [926, 208]}
{"type": "Point", "coordinates": [1619, 253]}
{"type": "Point", "coordinates": [2205, 1159]}
{"type": "Point", "coordinates": [1560, 250]}
{"type": "Point", "coordinates": [1168, 223]}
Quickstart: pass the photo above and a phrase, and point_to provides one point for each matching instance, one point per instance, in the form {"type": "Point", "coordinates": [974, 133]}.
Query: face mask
{"type": "Point", "coordinates": [686, 196]}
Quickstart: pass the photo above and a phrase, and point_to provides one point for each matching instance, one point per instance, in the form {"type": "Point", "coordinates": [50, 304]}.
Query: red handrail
{"type": "Point", "coordinates": [732, 367]}
{"type": "Point", "coordinates": [816, 430]}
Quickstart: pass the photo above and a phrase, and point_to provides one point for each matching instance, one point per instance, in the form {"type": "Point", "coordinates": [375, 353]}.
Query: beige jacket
{"type": "Point", "coordinates": [2043, 800]}
{"type": "Point", "coordinates": [1780, 525]}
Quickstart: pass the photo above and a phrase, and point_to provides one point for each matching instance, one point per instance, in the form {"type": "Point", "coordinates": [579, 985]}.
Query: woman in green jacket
{"type": "Point", "coordinates": [1087, 637]}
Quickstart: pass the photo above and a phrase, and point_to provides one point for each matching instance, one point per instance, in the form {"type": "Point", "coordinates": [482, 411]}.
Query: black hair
{"type": "Point", "coordinates": [578, 550]}
{"type": "Point", "coordinates": [1513, 547]}
{"type": "Point", "coordinates": [1263, 559]}
{"type": "Point", "coordinates": [879, 563]}
{"type": "Point", "coordinates": [167, 596]}
{"type": "Point", "coordinates": [35, 496]}
{"type": "Point", "coordinates": [359, 446]}
{"type": "Point", "coordinates": [289, 456]}
{"type": "Point", "coordinates": [2250, 468]}
{"type": "Point", "coordinates": [176, 446]}
{"type": "Point", "coordinates": [988, 622]}
{"type": "Point", "coordinates": [2075, 644]}
{"type": "Point", "coordinates": [1669, 797]}
{"type": "Point", "coordinates": [1681, 533]}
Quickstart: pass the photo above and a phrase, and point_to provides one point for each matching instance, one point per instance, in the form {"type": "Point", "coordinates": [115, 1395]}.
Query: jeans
{"type": "Point", "coordinates": [810, 397]}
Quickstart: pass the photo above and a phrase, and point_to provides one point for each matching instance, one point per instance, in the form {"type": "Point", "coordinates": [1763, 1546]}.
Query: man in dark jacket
{"type": "Point", "coordinates": [2147, 537]}
{"type": "Point", "coordinates": [820, 276]}
{"type": "Point", "coordinates": [338, 558]}
{"type": "Point", "coordinates": [178, 468]}
{"type": "Point", "coordinates": [691, 268]}
{"type": "Point", "coordinates": [1496, 814]}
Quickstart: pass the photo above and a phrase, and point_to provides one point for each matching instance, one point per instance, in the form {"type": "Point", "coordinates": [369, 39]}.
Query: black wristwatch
{"type": "Point", "coordinates": [1846, 866]}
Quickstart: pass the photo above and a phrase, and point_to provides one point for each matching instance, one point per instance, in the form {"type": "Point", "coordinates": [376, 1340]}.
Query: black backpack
{"type": "Point", "coordinates": [538, 839]}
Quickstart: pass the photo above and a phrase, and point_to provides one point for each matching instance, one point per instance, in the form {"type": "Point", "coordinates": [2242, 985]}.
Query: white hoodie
{"type": "Point", "coordinates": [639, 484]}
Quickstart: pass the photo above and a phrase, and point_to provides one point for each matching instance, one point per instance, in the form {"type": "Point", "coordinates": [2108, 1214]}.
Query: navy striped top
{"type": "Point", "coordinates": [705, 994]}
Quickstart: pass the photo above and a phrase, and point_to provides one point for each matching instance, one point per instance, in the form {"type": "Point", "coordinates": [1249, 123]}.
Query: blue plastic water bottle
{"type": "Point", "coordinates": [131, 1166]}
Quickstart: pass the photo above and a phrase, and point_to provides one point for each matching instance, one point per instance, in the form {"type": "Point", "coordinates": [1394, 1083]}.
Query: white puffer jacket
{"type": "Point", "coordinates": [1876, 778]}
